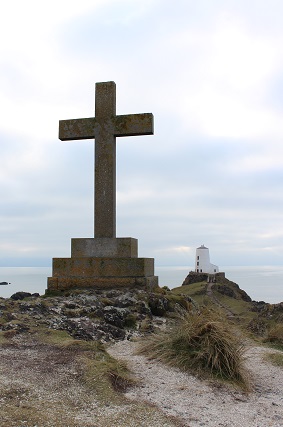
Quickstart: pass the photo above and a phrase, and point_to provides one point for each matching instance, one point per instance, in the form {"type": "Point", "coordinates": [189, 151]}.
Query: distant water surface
{"type": "Point", "coordinates": [264, 283]}
{"type": "Point", "coordinates": [27, 279]}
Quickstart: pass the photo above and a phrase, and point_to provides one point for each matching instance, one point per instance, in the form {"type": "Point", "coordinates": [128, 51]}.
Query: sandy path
{"type": "Point", "coordinates": [197, 403]}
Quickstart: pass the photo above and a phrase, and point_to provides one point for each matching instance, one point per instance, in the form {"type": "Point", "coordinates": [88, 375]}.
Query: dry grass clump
{"type": "Point", "coordinates": [204, 344]}
{"type": "Point", "coordinates": [120, 377]}
{"type": "Point", "coordinates": [275, 358]}
{"type": "Point", "coordinates": [275, 335]}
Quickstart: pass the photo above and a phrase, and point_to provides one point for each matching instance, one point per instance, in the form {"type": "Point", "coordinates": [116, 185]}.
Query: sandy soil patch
{"type": "Point", "coordinates": [197, 403]}
{"type": "Point", "coordinates": [42, 386]}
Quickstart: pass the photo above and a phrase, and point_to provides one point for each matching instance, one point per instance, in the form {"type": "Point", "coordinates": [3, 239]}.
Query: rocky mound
{"type": "Point", "coordinates": [91, 315]}
{"type": "Point", "coordinates": [220, 284]}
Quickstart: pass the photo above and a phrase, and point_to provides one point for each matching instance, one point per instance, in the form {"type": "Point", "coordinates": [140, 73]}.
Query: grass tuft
{"type": "Point", "coordinates": [107, 377]}
{"type": "Point", "coordinates": [275, 358]}
{"type": "Point", "coordinates": [275, 335]}
{"type": "Point", "coordinates": [120, 377]}
{"type": "Point", "coordinates": [202, 344]}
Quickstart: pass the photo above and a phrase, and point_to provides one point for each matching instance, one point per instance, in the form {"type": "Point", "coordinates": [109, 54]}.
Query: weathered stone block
{"type": "Point", "coordinates": [65, 283]}
{"type": "Point", "coordinates": [105, 247]}
{"type": "Point", "coordinates": [103, 267]}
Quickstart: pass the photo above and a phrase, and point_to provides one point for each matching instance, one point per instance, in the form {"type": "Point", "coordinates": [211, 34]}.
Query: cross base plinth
{"type": "Point", "coordinates": [65, 283]}
{"type": "Point", "coordinates": [102, 263]}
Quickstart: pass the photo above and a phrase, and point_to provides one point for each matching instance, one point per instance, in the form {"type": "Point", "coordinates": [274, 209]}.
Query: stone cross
{"type": "Point", "coordinates": [104, 128]}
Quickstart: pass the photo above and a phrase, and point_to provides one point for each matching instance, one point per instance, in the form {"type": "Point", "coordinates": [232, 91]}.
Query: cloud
{"type": "Point", "coordinates": [210, 73]}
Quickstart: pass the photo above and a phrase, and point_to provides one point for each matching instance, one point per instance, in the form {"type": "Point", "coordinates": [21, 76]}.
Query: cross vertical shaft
{"type": "Point", "coordinates": [105, 161]}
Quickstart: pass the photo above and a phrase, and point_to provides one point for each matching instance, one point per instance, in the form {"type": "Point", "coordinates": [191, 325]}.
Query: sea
{"type": "Point", "coordinates": [262, 283]}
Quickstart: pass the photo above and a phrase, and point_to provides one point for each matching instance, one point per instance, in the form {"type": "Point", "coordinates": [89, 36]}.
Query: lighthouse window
{"type": "Point", "coordinates": [197, 263]}
{"type": "Point", "coordinates": [198, 257]}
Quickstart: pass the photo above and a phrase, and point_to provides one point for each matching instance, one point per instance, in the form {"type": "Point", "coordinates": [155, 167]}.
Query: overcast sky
{"type": "Point", "coordinates": [211, 72]}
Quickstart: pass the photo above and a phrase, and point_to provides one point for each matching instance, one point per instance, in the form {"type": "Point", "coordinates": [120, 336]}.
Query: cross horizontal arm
{"type": "Point", "coordinates": [76, 129]}
{"type": "Point", "coordinates": [124, 125]}
{"type": "Point", "coordinates": [133, 124]}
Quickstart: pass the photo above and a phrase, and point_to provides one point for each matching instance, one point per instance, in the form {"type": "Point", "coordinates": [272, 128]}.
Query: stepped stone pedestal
{"type": "Point", "coordinates": [103, 263]}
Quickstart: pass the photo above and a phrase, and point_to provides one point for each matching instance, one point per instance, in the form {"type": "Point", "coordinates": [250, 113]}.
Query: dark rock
{"type": "Point", "coordinates": [232, 290]}
{"type": "Point", "coordinates": [82, 329]}
{"type": "Point", "coordinates": [89, 330]}
{"type": "Point", "coordinates": [125, 300]}
{"type": "Point", "coordinates": [18, 328]}
{"type": "Point", "coordinates": [112, 332]}
{"type": "Point", "coordinates": [71, 305]}
{"type": "Point", "coordinates": [20, 295]}
{"type": "Point", "coordinates": [158, 305]}
{"type": "Point", "coordinates": [115, 315]}
{"type": "Point", "coordinates": [97, 313]}
{"type": "Point", "coordinates": [143, 308]}
{"type": "Point", "coordinates": [259, 306]}
{"type": "Point", "coordinates": [25, 306]}
{"type": "Point", "coordinates": [11, 316]}
{"type": "Point", "coordinates": [225, 290]}
{"type": "Point", "coordinates": [112, 294]}
{"type": "Point", "coordinates": [269, 311]}
{"type": "Point", "coordinates": [40, 308]}
{"type": "Point", "coordinates": [244, 295]}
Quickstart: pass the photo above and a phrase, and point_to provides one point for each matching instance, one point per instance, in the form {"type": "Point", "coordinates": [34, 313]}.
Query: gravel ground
{"type": "Point", "coordinates": [198, 403]}
{"type": "Point", "coordinates": [42, 386]}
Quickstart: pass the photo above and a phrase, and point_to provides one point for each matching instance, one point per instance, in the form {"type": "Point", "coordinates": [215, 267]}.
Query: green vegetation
{"type": "Point", "coordinates": [174, 299]}
{"type": "Point", "coordinates": [62, 339]}
{"type": "Point", "coordinates": [201, 344]}
{"type": "Point", "coordinates": [131, 321]}
{"type": "Point", "coordinates": [240, 308]}
{"type": "Point", "coordinates": [197, 291]}
{"type": "Point", "coordinates": [275, 358]}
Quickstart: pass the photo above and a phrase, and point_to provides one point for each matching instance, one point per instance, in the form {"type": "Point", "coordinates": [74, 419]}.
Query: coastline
{"type": "Point", "coordinates": [262, 283]}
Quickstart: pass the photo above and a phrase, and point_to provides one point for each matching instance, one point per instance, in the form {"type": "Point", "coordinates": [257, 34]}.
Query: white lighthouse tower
{"type": "Point", "coordinates": [203, 264]}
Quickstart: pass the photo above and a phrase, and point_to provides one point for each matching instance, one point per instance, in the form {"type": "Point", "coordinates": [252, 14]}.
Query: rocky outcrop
{"type": "Point", "coordinates": [23, 295]}
{"type": "Point", "coordinates": [194, 277]}
{"type": "Point", "coordinates": [272, 312]}
{"type": "Point", "coordinates": [231, 290]}
{"type": "Point", "coordinates": [91, 315]}
{"type": "Point", "coordinates": [220, 284]}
